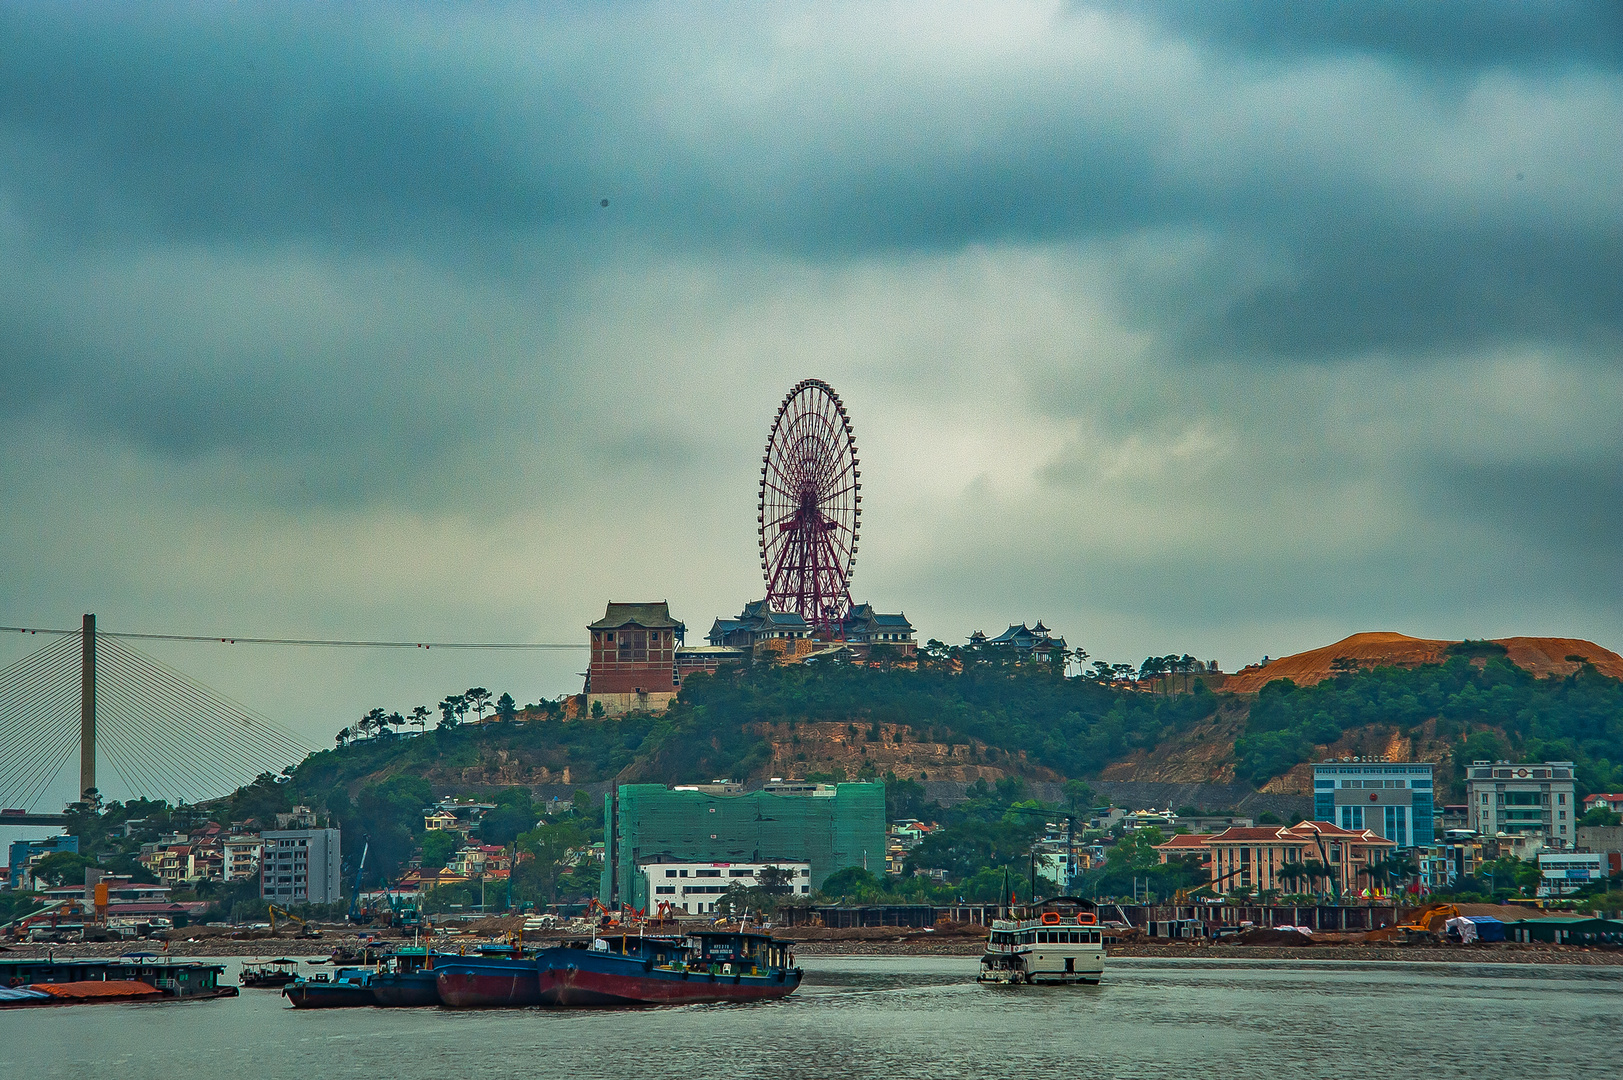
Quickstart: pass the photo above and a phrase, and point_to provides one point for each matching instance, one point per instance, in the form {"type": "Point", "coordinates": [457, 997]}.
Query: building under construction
{"type": "Point", "coordinates": [828, 826]}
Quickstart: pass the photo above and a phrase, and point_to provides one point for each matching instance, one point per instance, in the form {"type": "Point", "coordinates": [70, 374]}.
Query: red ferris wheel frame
{"type": "Point", "coordinates": [810, 506]}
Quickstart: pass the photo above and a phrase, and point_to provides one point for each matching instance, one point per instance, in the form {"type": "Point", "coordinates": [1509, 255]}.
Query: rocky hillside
{"type": "Point", "coordinates": [1541, 656]}
{"type": "Point", "coordinates": [1371, 695]}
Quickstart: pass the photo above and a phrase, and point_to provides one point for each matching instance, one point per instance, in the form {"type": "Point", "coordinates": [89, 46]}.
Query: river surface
{"type": "Point", "coordinates": [899, 1018]}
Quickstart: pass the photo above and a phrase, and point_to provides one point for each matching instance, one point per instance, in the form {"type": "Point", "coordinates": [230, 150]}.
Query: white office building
{"type": "Point", "coordinates": [695, 888]}
{"type": "Point", "coordinates": [299, 866]}
{"type": "Point", "coordinates": [1505, 798]}
{"type": "Point", "coordinates": [1568, 871]}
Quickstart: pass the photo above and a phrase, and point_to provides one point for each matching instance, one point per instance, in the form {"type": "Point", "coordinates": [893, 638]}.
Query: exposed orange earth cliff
{"type": "Point", "coordinates": [1541, 656]}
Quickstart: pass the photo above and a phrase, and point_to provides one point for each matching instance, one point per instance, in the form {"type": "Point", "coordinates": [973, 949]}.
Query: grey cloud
{"type": "Point", "coordinates": [343, 258]}
{"type": "Point", "coordinates": [1446, 34]}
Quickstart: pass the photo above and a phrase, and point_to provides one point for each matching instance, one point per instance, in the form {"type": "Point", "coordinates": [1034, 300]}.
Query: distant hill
{"type": "Point", "coordinates": [1540, 656]}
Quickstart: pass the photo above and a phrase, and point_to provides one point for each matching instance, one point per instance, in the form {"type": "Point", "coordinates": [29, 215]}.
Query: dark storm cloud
{"type": "Point", "coordinates": [1224, 316]}
{"type": "Point", "coordinates": [1444, 35]}
{"type": "Point", "coordinates": [357, 131]}
{"type": "Point", "coordinates": [1431, 290]}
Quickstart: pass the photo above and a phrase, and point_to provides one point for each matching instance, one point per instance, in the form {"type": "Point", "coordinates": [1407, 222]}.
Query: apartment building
{"type": "Point", "coordinates": [299, 866]}
{"type": "Point", "coordinates": [1520, 799]}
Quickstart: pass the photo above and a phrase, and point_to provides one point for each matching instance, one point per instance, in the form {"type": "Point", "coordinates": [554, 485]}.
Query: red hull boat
{"type": "Point", "coordinates": [634, 970]}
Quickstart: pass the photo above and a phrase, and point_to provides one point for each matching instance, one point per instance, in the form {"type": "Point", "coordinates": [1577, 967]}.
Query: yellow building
{"type": "Point", "coordinates": [1285, 858]}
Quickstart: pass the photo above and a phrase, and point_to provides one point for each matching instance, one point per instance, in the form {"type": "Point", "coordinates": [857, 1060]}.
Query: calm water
{"type": "Point", "coordinates": [900, 1019]}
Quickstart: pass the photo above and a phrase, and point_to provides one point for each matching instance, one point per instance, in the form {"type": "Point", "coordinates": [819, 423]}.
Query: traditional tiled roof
{"type": "Point", "coordinates": [1302, 832]}
{"type": "Point", "coordinates": [1183, 841]}
{"type": "Point", "coordinates": [863, 617]}
{"type": "Point", "coordinates": [650, 616]}
{"type": "Point", "coordinates": [1022, 636]}
{"type": "Point", "coordinates": [1251, 835]}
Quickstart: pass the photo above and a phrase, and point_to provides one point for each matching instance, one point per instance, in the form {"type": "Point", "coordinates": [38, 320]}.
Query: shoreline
{"type": "Point", "coordinates": [1496, 953]}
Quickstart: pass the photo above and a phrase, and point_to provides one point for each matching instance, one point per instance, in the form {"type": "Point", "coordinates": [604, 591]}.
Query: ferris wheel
{"type": "Point", "coordinates": [810, 505]}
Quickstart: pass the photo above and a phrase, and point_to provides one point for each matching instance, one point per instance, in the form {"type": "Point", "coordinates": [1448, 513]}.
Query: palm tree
{"type": "Point", "coordinates": [1315, 872]}
{"type": "Point", "coordinates": [1394, 866]}
{"type": "Point", "coordinates": [419, 716]}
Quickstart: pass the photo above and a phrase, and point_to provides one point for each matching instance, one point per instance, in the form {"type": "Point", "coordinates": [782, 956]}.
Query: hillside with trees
{"type": "Point", "coordinates": [985, 720]}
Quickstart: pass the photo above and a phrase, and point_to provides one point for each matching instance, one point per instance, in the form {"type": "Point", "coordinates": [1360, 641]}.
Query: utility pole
{"type": "Point", "coordinates": [87, 707]}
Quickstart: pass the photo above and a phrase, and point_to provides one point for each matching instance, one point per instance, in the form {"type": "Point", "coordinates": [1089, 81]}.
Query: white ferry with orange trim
{"type": "Point", "coordinates": [1055, 942]}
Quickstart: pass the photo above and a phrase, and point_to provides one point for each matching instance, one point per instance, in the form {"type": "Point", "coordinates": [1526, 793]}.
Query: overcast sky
{"type": "Point", "coordinates": [1217, 328]}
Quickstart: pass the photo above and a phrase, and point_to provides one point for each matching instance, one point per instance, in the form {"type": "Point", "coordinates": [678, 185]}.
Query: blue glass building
{"type": "Point", "coordinates": [1392, 799]}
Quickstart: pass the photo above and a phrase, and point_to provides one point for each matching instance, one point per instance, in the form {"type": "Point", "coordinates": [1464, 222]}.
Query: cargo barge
{"type": "Point", "coordinates": [344, 988]}
{"type": "Point", "coordinates": [709, 966]}
{"type": "Point", "coordinates": [626, 968]}
{"type": "Point", "coordinates": [137, 977]}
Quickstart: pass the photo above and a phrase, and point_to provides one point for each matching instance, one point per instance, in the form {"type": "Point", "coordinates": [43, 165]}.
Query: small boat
{"type": "Point", "coordinates": [1054, 942]}
{"type": "Point", "coordinates": [407, 980]}
{"type": "Point", "coordinates": [270, 974]}
{"type": "Point", "coordinates": [497, 976]}
{"type": "Point", "coordinates": [634, 969]}
{"type": "Point", "coordinates": [346, 988]}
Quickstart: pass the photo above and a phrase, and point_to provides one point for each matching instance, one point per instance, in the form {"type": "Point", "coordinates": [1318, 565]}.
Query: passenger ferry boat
{"type": "Point", "coordinates": [1053, 942]}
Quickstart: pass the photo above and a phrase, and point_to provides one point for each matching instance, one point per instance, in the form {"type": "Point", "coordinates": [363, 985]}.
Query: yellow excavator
{"type": "Point", "coordinates": [1425, 926]}
{"type": "Point", "coordinates": [305, 929]}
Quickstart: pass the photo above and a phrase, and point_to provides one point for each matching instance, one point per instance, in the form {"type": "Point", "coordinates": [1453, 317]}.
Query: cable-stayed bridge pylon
{"type": "Point", "coordinates": [163, 734]}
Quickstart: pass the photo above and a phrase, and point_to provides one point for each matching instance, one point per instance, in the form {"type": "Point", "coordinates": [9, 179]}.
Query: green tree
{"type": "Point", "coordinates": [514, 814]}
{"type": "Point", "coordinates": [853, 883]}
{"type": "Point", "coordinates": [1078, 795]}
{"type": "Point", "coordinates": [1600, 815]}
{"type": "Point", "coordinates": [550, 849]}
{"type": "Point", "coordinates": [63, 868]}
{"type": "Point", "coordinates": [903, 798]}
{"type": "Point", "coordinates": [438, 847]}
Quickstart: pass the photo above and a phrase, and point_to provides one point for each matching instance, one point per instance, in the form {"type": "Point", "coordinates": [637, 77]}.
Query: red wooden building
{"type": "Point", "coordinates": [633, 666]}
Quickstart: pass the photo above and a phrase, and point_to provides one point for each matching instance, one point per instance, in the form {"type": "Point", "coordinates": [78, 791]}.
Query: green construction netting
{"type": "Point", "coordinates": [648, 822]}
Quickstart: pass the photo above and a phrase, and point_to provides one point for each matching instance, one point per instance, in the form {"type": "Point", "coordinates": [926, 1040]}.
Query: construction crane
{"type": "Point", "coordinates": [355, 893]}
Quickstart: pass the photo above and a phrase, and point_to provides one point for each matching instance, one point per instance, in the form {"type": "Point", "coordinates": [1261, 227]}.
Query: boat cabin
{"type": "Point", "coordinates": [755, 950]}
